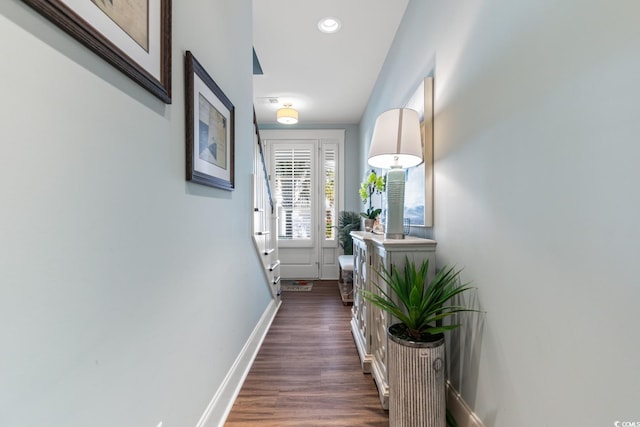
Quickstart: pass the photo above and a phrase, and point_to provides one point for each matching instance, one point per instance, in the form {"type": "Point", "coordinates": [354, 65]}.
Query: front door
{"type": "Point", "coordinates": [305, 173]}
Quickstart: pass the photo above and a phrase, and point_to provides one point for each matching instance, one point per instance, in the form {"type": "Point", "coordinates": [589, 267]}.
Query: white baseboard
{"type": "Point", "coordinates": [463, 415]}
{"type": "Point", "coordinates": [220, 405]}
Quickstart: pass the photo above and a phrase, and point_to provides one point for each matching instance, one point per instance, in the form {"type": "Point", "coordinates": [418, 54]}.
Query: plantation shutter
{"type": "Point", "coordinates": [329, 160]}
{"type": "Point", "coordinates": [293, 189]}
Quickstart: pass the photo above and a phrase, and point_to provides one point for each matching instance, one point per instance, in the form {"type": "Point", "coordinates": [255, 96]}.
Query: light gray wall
{"type": "Point", "coordinates": [125, 293]}
{"type": "Point", "coordinates": [536, 172]}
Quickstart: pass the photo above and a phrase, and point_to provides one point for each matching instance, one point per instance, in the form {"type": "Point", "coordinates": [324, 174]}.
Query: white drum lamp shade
{"type": "Point", "coordinates": [396, 139]}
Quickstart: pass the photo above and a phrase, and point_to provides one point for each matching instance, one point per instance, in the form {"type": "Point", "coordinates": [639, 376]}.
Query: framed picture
{"type": "Point", "coordinates": [134, 35]}
{"type": "Point", "coordinates": [210, 129]}
{"type": "Point", "coordinates": [418, 207]}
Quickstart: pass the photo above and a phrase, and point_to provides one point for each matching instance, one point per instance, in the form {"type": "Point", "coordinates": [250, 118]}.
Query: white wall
{"type": "Point", "coordinates": [536, 145]}
{"type": "Point", "coordinates": [125, 293]}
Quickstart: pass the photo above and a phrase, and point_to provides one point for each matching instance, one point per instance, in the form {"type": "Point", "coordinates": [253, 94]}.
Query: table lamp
{"type": "Point", "coordinates": [396, 144]}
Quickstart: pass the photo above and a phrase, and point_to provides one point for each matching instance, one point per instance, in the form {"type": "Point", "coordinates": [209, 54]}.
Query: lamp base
{"type": "Point", "coordinates": [395, 203]}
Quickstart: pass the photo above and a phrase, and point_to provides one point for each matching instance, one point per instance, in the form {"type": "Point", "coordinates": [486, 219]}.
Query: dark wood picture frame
{"type": "Point", "coordinates": [203, 143]}
{"type": "Point", "coordinates": [70, 21]}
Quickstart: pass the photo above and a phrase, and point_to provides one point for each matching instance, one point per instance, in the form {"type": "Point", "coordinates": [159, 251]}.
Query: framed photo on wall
{"type": "Point", "coordinates": [210, 129]}
{"type": "Point", "coordinates": [418, 206]}
{"type": "Point", "coordinates": [134, 35]}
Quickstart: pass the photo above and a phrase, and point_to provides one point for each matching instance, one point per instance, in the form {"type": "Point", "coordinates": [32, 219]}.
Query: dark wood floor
{"type": "Point", "coordinates": [307, 372]}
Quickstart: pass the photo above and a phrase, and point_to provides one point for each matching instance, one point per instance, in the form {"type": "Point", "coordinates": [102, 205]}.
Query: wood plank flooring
{"type": "Point", "coordinates": [307, 372]}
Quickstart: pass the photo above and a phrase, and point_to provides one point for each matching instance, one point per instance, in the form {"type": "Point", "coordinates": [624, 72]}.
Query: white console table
{"type": "Point", "coordinates": [368, 323]}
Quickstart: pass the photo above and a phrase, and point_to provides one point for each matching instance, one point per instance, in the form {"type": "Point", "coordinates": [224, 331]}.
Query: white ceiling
{"type": "Point", "coordinates": [328, 78]}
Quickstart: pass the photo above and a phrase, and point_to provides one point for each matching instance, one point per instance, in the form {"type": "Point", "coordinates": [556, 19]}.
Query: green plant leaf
{"type": "Point", "coordinates": [419, 305]}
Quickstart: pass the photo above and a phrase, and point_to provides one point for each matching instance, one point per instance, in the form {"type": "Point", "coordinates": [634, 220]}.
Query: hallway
{"type": "Point", "coordinates": [307, 372]}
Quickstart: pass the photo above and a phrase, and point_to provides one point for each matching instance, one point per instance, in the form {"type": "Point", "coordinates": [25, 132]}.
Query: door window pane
{"type": "Point", "coordinates": [330, 194]}
{"type": "Point", "coordinates": [293, 186]}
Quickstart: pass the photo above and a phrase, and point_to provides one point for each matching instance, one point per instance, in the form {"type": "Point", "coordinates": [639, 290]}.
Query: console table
{"type": "Point", "coordinates": [368, 323]}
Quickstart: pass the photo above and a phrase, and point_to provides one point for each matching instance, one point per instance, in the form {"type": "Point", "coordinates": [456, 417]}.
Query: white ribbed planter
{"type": "Point", "coordinates": [417, 394]}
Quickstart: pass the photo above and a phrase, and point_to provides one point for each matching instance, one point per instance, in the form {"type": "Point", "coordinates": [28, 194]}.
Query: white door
{"type": "Point", "coordinates": [305, 169]}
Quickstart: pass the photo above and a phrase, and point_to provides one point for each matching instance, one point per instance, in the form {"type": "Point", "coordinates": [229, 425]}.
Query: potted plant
{"type": "Point", "coordinates": [373, 184]}
{"type": "Point", "coordinates": [417, 393]}
{"type": "Point", "coordinates": [347, 222]}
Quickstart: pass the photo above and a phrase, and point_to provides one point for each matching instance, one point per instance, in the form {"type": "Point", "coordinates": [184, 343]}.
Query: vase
{"type": "Point", "coordinates": [367, 224]}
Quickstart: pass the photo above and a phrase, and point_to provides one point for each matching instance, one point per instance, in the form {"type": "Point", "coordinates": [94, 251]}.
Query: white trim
{"type": "Point", "coordinates": [220, 405]}
{"type": "Point", "coordinates": [459, 409]}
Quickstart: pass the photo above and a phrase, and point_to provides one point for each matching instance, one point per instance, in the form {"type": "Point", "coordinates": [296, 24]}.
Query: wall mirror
{"type": "Point", "coordinates": [418, 204]}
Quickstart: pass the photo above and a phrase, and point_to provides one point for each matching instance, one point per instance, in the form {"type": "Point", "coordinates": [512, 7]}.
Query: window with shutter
{"type": "Point", "coordinates": [293, 190]}
{"type": "Point", "coordinates": [329, 160]}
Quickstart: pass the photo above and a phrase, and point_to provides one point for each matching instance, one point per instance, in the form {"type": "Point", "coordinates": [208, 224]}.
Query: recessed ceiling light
{"type": "Point", "coordinates": [329, 25]}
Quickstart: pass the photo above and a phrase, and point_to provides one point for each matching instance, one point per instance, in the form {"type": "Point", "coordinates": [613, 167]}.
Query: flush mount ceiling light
{"type": "Point", "coordinates": [329, 25]}
{"type": "Point", "coordinates": [287, 115]}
